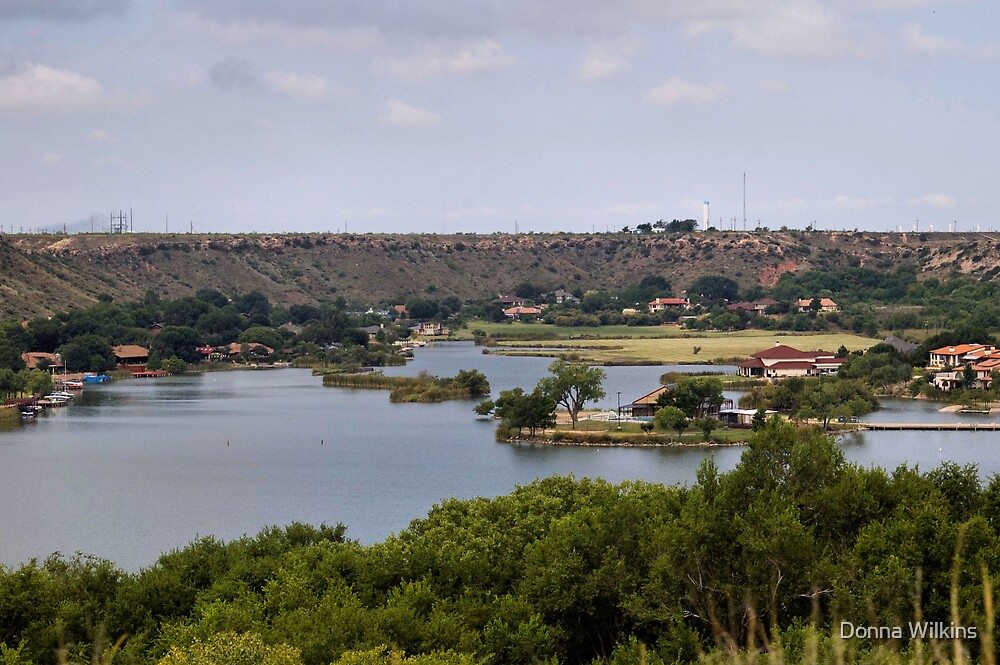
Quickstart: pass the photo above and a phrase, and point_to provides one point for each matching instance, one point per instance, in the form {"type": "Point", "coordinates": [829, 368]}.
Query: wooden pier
{"type": "Point", "coordinates": [948, 427]}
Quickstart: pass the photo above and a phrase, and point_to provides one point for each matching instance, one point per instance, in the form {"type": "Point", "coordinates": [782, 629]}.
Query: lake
{"type": "Point", "coordinates": [135, 468]}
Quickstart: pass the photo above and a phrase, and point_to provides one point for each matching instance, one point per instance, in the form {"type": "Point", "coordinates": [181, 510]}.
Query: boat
{"type": "Point", "coordinates": [95, 378]}
{"type": "Point", "coordinates": [63, 394]}
{"type": "Point", "coordinates": [70, 385]}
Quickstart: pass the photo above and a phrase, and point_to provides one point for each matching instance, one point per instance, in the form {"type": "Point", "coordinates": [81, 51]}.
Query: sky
{"type": "Point", "coordinates": [445, 116]}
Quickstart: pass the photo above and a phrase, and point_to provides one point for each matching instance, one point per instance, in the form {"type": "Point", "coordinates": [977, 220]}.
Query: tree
{"type": "Point", "coordinates": [670, 417]}
{"type": "Point", "coordinates": [262, 335]}
{"type": "Point", "coordinates": [695, 396]}
{"type": "Point", "coordinates": [88, 353]}
{"type": "Point", "coordinates": [180, 341]}
{"type": "Point", "coordinates": [707, 425]}
{"type": "Point", "coordinates": [572, 385]}
{"type": "Point", "coordinates": [11, 383]}
{"type": "Point", "coordinates": [759, 420]}
{"type": "Point", "coordinates": [174, 365]}
{"type": "Point", "coordinates": [473, 380]}
{"type": "Point", "coordinates": [10, 355]}
{"type": "Point", "coordinates": [968, 376]}
{"type": "Point", "coordinates": [715, 287]}
{"type": "Point", "coordinates": [232, 649]}
{"type": "Point", "coordinates": [515, 408]}
{"type": "Point", "coordinates": [37, 382]}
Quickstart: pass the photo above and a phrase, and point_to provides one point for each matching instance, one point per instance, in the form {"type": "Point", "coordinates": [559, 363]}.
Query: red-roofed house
{"type": "Point", "coordinates": [955, 356]}
{"type": "Point", "coordinates": [521, 312]}
{"type": "Point", "coordinates": [662, 304]}
{"type": "Point", "coordinates": [131, 356]}
{"type": "Point", "coordinates": [984, 369]}
{"type": "Point", "coordinates": [34, 359]}
{"type": "Point", "coordinates": [781, 361]}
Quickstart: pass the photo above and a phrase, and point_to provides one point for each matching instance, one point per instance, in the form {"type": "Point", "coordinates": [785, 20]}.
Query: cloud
{"type": "Point", "coordinates": [232, 74]}
{"type": "Point", "coordinates": [61, 10]}
{"type": "Point", "coordinates": [399, 114]}
{"type": "Point", "coordinates": [38, 87]}
{"type": "Point", "coordinates": [678, 91]}
{"type": "Point", "coordinates": [860, 203]}
{"type": "Point", "coordinates": [774, 86]}
{"type": "Point", "coordinates": [772, 28]}
{"type": "Point", "coordinates": [609, 59]}
{"type": "Point", "coordinates": [305, 86]}
{"type": "Point", "coordinates": [936, 200]}
{"type": "Point", "coordinates": [101, 136]}
{"type": "Point", "coordinates": [637, 208]}
{"type": "Point", "coordinates": [918, 41]}
{"type": "Point", "coordinates": [252, 32]}
{"type": "Point", "coordinates": [436, 62]}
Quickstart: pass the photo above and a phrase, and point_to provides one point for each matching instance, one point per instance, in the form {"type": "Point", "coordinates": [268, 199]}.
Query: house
{"type": "Point", "coordinates": [430, 329]}
{"type": "Point", "coordinates": [521, 312]}
{"type": "Point", "coordinates": [645, 406]}
{"type": "Point", "coordinates": [400, 310]}
{"type": "Point", "coordinates": [955, 356]}
{"type": "Point", "coordinates": [757, 306]}
{"type": "Point", "coordinates": [741, 417]}
{"type": "Point", "coordinates": [947, 380]}
{"type": "Point", "coordinates": [155, 328]}
{"type": "Point", "coordinates": [899, 344]}
{"type": "Point", "coordinates": [663, 304]}
{"type": "Point", "coordinates": [825, 305]}
{"type": "Point", "coordinates": [50, 361]}
{"type": "Point", "coordinates": [373, 331]}
{"type": "Point", "coordinates": [510, 301]}
{"type": "Point", "coordinates": [131, 356]}
{"type": "Point", "coordinates": [985, 369]}
{"type": "Point", "coordinates": [235, 349]}
{"type": "Point", "coordinates": [560, 296]}
{"type": "Point", "coordinates": [782, 361]}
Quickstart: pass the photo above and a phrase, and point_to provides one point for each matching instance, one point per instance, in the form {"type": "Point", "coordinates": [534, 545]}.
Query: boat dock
{"type": "Point", "coordinates": [949, 427]}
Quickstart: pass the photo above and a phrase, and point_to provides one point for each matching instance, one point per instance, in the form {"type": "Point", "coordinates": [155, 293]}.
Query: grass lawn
{"type": "Point", "coordinates": [715, 346]}
{"type": "Point", "coordinates": [521, 330]}
{"type": "Point", "coordinates": [633, 434]}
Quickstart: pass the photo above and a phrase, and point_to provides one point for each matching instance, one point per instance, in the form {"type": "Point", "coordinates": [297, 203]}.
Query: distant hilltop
{"type": "Point", "coordinates": [41, 274]}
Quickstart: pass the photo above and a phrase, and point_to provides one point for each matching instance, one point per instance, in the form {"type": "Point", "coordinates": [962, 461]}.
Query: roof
{"type": "Point", "coordinates": [650, 398]}
{"type": "Point", "coordinates": [32, 358]}
{"type": "Point", "coordinates": [989, 363]}
{"type": "Point", "coordinates": [823, 302]}
{"type": "Point", "coordinates": [752, 363]}
{"type": "Point", "coordinates": [900, 345]}
{"type": "Point", "coordinates": [668, 301]}
{"type": "Point", "coordinates": [745, 412]}
{"type": "Point", "coordinates": [793, 364]}
{"type": "Point", "coordinates": [237, 347]}
{"type": "Point", "coordinates": [511, 311]}
{"type": "Point", "coordinates": [130, 351]}
{"type": "Point", "coordinates": [784, 352]}
{"type": "Point", "coordinates": [958, 349]}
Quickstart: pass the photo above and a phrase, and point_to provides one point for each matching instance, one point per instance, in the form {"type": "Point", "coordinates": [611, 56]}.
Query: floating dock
{"type": "Point", "coordinates": [944, 427]}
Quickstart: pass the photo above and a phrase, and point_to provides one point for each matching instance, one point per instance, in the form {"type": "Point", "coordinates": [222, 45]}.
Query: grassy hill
{"type": "Point", "coordinates": [44, 273]}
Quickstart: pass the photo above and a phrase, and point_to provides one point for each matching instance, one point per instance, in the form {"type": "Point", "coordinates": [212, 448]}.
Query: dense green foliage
{"type": "Point", "coordinates": [467, 384]}
{"type": "Point", "coordinates": [562, 568]}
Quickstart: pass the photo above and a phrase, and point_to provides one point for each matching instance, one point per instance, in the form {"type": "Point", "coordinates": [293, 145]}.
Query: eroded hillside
{"type": "Point", "coordinates": [42, 274]}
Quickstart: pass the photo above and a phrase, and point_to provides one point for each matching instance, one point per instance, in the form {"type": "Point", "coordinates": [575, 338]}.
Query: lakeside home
{"type": "Point", "coordinates": [781, 361]}
{"type": "Point", "coordinates": [805, 305]}
{"type": "Point", "coordinates": [950, 361]}
{"type": "Point", "coordinates": [663, 304]}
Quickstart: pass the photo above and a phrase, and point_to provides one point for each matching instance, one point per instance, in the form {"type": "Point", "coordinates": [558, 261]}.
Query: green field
{"type": "Point", "coordinates": [715, 347]}
{"type": "Point", "coordinates": [517, 329]}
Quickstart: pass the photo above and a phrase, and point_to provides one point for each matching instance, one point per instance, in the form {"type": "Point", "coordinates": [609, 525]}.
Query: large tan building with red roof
{"type": "Point", "coordinates": [958, 355]}
{"type": "Point", "coordinates": [782, 361]}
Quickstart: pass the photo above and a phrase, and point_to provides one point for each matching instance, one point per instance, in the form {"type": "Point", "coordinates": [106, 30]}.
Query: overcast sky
{"type": "Point", "coordinates": [464, 115]}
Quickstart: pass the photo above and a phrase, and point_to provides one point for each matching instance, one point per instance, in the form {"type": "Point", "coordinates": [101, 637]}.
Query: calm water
{"type": "Point", "coordinates": [136, 468]}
